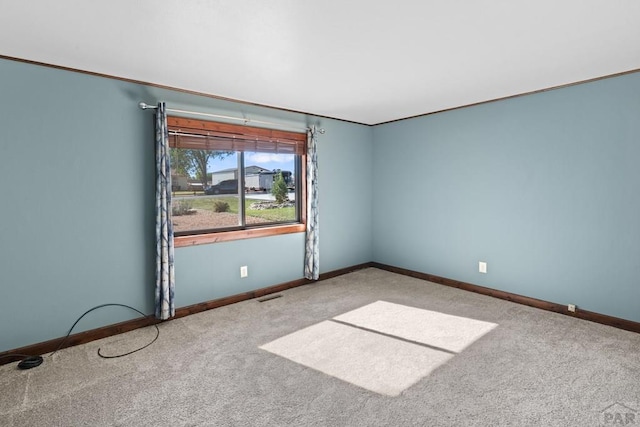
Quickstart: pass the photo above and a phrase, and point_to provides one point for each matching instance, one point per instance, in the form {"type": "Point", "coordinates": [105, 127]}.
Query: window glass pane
{"type": "Point", "coordinates": [206, 194]}
{"type": "Point", "coordinates": [270, 195]}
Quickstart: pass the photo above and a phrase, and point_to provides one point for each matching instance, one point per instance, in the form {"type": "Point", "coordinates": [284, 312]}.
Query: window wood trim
{"type": "Point", "coordinates": [213, 129]}
{"type": "Point", "coordinates": [226, 236]}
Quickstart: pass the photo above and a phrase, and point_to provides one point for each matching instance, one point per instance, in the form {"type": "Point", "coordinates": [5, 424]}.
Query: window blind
{"type": "Point", "coordinates": [207, 135]}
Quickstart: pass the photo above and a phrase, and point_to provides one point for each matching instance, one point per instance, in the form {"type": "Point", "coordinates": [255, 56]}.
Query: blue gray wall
{"type": "Point", "coordinates": [77, 194]}
{"type": "Point", "coordinates": [543, 187]}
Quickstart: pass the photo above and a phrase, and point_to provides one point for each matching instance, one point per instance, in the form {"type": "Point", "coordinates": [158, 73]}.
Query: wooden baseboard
{"type": "Point", "coordinates": [129, 325]}
{"type": "Point", "coordinates": [76, 339]}
{"type": "Point", "coordinates": [591, 316]}
{"type": "Point", "coordinates": [208, 305]}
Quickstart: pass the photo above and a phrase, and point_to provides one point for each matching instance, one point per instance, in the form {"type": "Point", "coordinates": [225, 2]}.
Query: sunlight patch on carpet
{"type": "Point", "coordinates": [452, 333]}
{"type": "Point", "coordinates": [372, 361]}
{"type": "Point", "coordinates": [372, 350]}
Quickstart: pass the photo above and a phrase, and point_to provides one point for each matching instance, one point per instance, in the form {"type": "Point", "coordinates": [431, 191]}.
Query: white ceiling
{"type": "Point", "coordinates": [367, 61]}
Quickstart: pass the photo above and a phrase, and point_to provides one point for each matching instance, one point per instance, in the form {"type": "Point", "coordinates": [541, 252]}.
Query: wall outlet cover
{"type": "Point", "coordinates": [482, 267]}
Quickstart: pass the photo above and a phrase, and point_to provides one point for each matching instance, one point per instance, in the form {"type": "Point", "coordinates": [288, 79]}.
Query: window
{"type": "Point", "coordinates": [233, 181]}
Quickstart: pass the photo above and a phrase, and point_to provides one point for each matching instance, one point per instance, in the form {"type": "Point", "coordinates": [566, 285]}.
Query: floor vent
{"type": "Point", "coordinates": [269, 298]}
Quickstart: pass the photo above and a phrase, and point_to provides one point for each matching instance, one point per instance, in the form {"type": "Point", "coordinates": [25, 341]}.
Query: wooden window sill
{"type": "Point", "coordinates": [225, 236]}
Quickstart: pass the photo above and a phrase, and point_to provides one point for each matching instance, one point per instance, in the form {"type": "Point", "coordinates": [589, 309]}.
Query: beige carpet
{"type": "Point", "coordinates": [535, 368]}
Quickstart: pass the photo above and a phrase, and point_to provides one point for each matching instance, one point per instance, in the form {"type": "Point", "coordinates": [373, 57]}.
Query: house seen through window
{"type": "Point", "coordinates": [230, 178]}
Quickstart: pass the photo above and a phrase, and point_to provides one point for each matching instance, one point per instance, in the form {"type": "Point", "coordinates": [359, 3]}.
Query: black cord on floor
{"type": "Point", "coordinates": [15, 355]}
{"type": "Point", "coordinates": [108, 305]}
{"type": "Point", "coordinates": [27, 361]}
{"type": "Point", "coordinates": [30, 361]}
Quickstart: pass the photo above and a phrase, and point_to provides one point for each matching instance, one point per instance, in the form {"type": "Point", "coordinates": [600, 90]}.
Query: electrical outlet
{"type": "Point", "coordinates": [482, 267]}
{"type": "Point", "coordinates": [571, 308]}
{"type": "Point", "coordinates": [244, 271]}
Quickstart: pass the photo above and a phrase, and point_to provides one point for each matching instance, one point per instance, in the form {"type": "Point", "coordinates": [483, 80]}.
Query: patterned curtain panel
{"type": "Point", "coordinates": [312, 251]}
{"type": "Point", "coordinates": [165, 278]}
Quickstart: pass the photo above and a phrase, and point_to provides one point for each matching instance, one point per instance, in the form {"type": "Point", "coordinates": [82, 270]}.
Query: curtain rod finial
{"type": "Point", "coordinates": [143, 105]}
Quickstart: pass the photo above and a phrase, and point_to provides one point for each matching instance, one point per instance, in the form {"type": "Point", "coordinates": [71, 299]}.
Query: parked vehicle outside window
{"type": "Point", "coordinates": [229, 186]}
